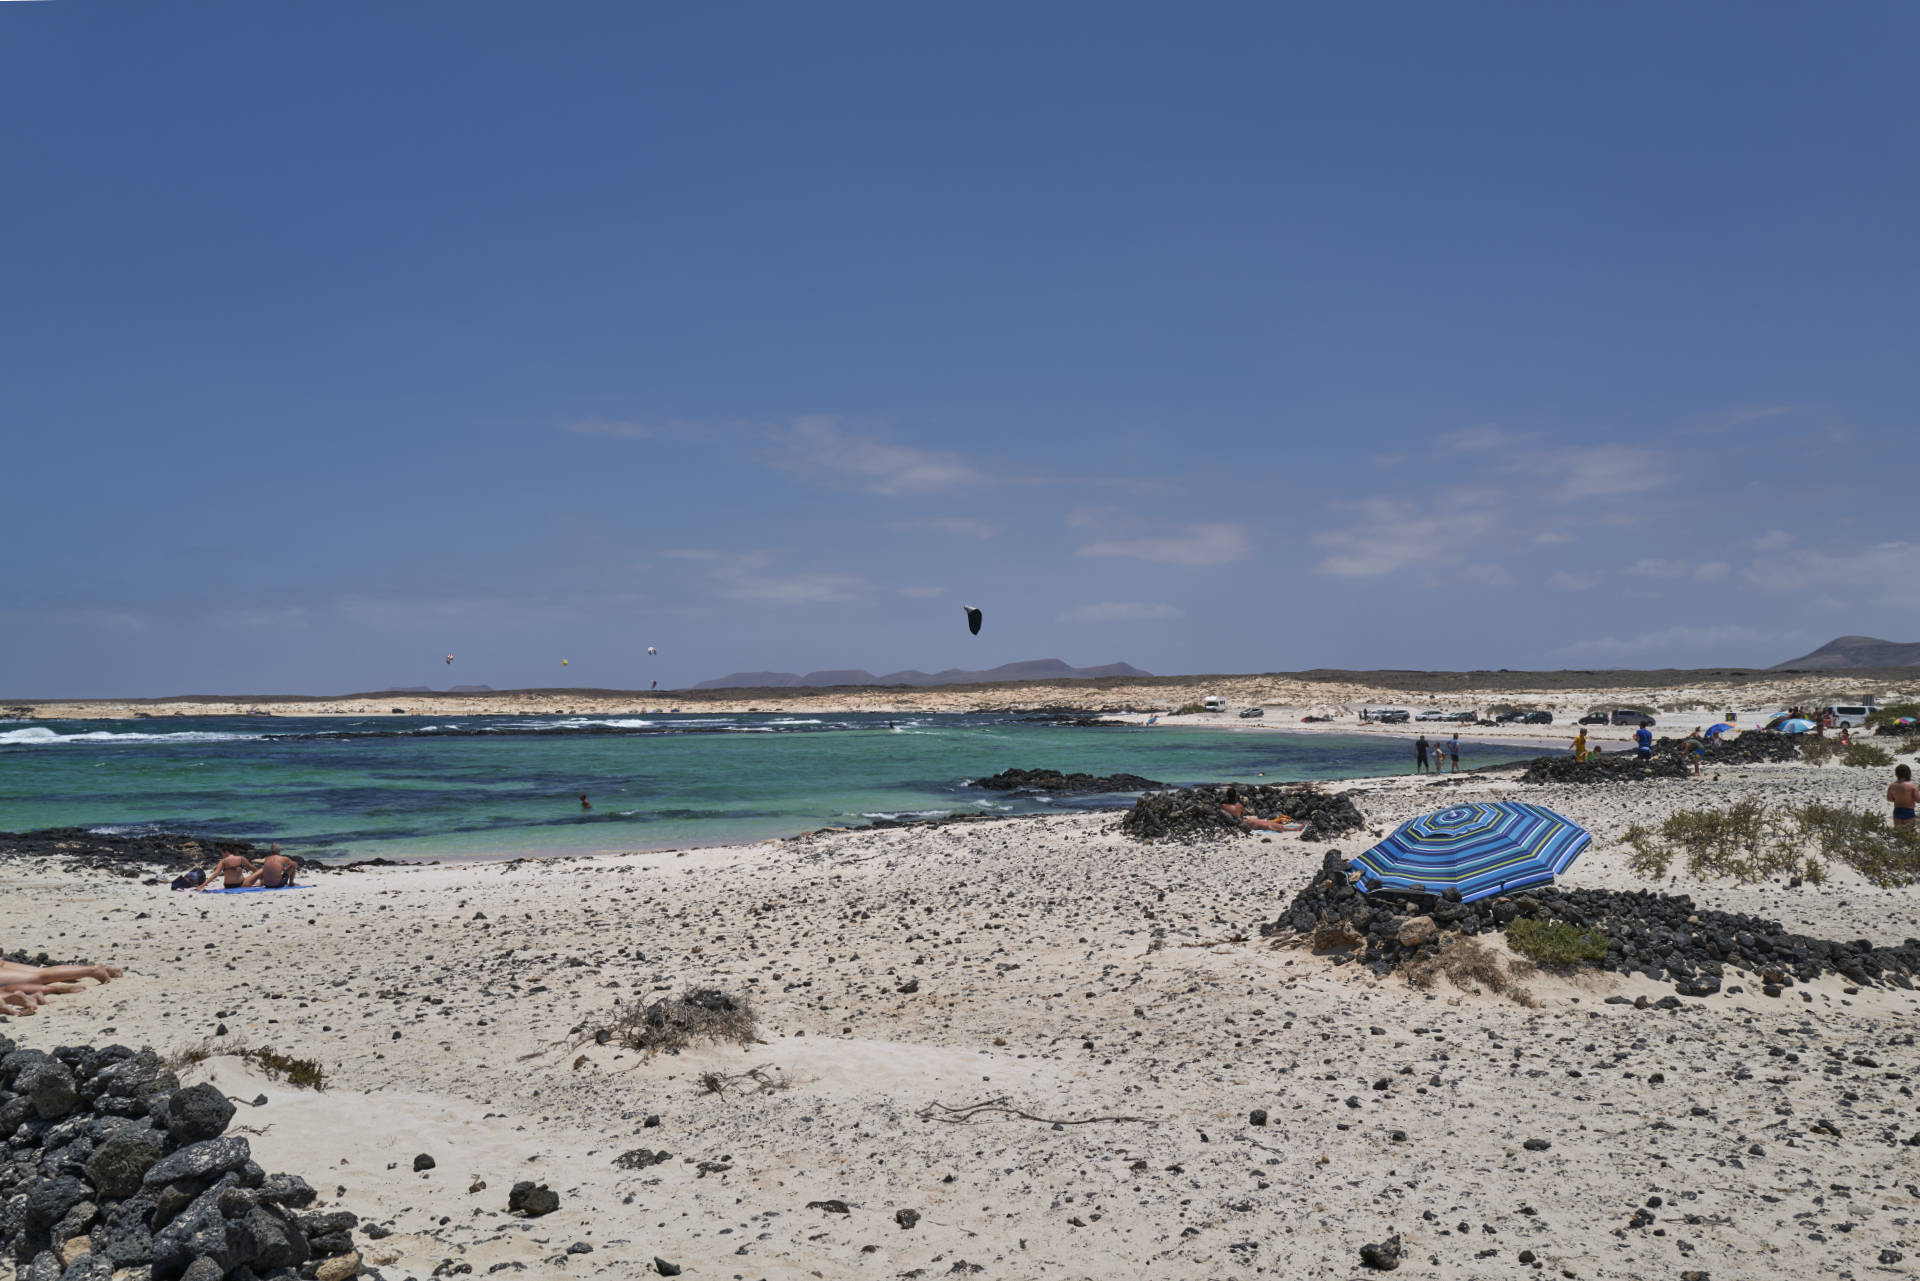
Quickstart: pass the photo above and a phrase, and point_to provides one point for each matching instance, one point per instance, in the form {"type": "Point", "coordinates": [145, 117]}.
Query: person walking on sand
{"type": "Point", "coordinates": [1420, 755]}
{"type": "Point", "coordinates": [1453, 753]}
{"type": "Point", "coordinates": [1905, 795]}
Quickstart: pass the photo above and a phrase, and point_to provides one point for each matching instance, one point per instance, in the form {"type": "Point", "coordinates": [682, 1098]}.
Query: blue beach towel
{"type": "Point", "coordinates": [256, 889]}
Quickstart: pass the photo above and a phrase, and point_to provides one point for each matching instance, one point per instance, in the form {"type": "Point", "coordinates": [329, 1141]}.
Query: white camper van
{"type": "Point", "coordinates": [1214, 703]}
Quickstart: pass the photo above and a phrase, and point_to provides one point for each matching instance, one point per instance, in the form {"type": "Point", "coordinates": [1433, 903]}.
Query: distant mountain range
{"type": "Point", "coordinates": [1855, 651]}
{"type": "Point", "coordinates": [1038, 669]}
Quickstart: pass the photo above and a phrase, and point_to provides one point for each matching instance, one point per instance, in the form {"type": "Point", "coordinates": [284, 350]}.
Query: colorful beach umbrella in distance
{"type": "Point", "coordinates": [1721, 728]}
{"type": "Point", "coordinates": [1795, 726]}
{"type": "Point", "coordinates": [1481, 849]}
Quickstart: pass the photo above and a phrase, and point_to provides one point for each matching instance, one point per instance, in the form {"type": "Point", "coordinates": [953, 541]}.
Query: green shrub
{"type": "Point", "coordinates": [1891, 712]}
{"type": "Point", "coordinates": [1886, 855]}
{"type": "Point", "coordinates": [1817, 751]}
{"type": "Point", "coordinates": [1865, 755]}
{"type": "Point", "coordinates": [1556, 942]}
{"type": "Point", "coordinates": [1743, 842]}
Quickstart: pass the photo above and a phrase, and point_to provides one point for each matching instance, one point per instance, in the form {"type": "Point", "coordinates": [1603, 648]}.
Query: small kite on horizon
{"type": "Point", "coordinates": [652, 650]}
{"type": "Point", "coordinates": [973, 619]}
{"type": "Point", "coordinates": [449, 658]}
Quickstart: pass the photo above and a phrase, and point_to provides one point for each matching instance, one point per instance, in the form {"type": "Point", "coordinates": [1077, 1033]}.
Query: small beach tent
{"type": "Point", "coordinates": [1796, 726]}
{"type": "Point", "coordinates": [1480, 849]}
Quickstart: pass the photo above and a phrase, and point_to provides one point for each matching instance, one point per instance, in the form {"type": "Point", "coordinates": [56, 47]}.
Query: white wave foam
{"type": "Point", "coordinates": [900, 814]}
{"type": "Point", "coordinates": [39, 734]}
{"type": "Point", "coordinates": [795, 720]}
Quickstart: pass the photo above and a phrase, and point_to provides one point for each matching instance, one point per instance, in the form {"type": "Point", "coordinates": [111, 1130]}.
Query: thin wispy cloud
{"type": "Point", "coordinates": [1552, 537]}
{"type": "Point", "coordinates": [1661, 567]}
{"type": "Point", "coordinates": [1885, 569]}
{"type": "Point", "coordinates": [1574, 580]}
{"type": "Point", "coordinates": [616, 428]}
{"type": "Point", "coordinates": [1386, 535]}
{"type": "Point", "coordinates": [793, 589]}
{"type": "Point", "coordinates": [1727, 419]}
{"type": "Point", "coordinates": [960, 526]}
{"type": "Point", "coordinates": [816, 449]}
{"type": "Point", "coordinates": [1474, 439]}
{"type": "Point", "coordinates": [1713, 642]}
{"type": "Point", "coordinates": [1605, 471]}
{"type": "Point", "coordinates": [922, 593]}
{"type": "Point", "coordinates": [1120, 611]}
{"type": "Point", "coordinates": [1195, 546]}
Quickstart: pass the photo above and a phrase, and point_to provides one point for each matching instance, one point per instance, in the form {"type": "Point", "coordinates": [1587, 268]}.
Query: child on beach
{"type": "Point", "coordinates": [1905, 796]}
{"type": "Point", "coordinates": [1580, 746]}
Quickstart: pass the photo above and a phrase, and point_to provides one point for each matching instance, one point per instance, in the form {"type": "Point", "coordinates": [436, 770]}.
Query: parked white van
{"type": "Point", "coordinates": [1851, 717]}
{"type": "Point", "coordinates": [1214, 703]}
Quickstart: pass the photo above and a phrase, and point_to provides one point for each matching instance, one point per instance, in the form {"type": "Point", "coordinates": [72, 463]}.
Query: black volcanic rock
{"type": "Point", "coordinates": [1855, 651]}
{"type": "Point", "coordinates": [1194, 813]}
{"type": "Point", "coordinates": [1052, 780]}
{"type": "Point", "coordinates": [1038, 669]}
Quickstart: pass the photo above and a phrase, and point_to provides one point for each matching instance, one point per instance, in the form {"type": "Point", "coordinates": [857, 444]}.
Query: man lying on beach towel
{"type": "Point", "coordinates": [1236, 809]}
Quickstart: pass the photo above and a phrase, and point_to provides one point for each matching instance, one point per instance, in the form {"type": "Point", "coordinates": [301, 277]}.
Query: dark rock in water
{"type": "Point", "coordinates": [532, 1200]}
{"type": "Point", "coordinates": [1384, 1256]}
{"type": "Point", "coordinates": [197, 1113]}
{"type": "Point", "coordinates": [1194, 813]}
{"type": "Point", "coordinates": [1052, 780]}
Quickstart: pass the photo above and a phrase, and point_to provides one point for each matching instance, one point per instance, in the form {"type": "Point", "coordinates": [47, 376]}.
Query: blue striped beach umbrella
{"type": "Point", "coordinates": [1480, 849]}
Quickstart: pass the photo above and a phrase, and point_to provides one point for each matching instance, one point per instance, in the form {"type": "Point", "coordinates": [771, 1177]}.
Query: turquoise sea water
{"type": "Point", "coordinates": [423, 787]}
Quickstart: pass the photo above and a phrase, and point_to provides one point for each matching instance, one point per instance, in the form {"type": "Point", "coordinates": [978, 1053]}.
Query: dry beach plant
{"type": "Point", "coordinates": [673, 1023]}
{"type": "Point", "coordinates": [1471, 966]}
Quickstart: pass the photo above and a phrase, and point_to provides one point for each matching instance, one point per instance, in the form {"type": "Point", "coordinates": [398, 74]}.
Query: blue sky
{"type": "Point", "coordinates": [340, 337]}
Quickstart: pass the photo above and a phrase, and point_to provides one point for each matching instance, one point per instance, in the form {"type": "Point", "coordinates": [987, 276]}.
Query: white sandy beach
{"type": "Point", "coordinates": [1074, 973]}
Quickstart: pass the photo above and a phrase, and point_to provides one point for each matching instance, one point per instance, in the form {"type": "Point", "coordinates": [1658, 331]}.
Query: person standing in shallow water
{"type": "Point", "coordinates": [585, 804]}
{"type": "Point", "coordinates": [1420, 755]}
{"type": "Point", "coordinates": [1905, 796]}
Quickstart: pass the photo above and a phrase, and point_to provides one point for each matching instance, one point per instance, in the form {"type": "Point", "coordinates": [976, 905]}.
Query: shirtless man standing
{"type": "Point", "coordinates": [1905, 795]}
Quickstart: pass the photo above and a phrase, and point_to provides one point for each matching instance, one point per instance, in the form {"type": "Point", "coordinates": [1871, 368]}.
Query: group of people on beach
{"type": "Point", "coordinates": [235, 871]}
{"type": "Point", "coordinates": [1447, 754]}
{"type": "Point", "coordinates": [25, 988]}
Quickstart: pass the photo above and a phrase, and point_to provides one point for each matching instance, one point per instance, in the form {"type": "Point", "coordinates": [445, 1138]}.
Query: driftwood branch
{"type": "Point", "coordinates": [1000, 1107]}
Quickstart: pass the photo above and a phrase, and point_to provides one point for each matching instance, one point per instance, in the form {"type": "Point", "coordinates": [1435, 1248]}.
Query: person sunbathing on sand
{"type": "Point", "coordinates": [233, 869]}
{"type": "Point", "coordinates": [1236, 809]}
{"type": "Point", "coordinates": [25, 988]}
{"type": "Point", "coordinates": [276, 870]}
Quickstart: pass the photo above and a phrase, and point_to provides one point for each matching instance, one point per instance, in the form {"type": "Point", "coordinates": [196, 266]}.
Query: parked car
{"type": "Point", "coordinates": [1851, 717]}
{"type": "Point", "coordinates": [1535, 718]}
{"type": "Point", "coordinates": [1433, 716]}
{"type": "Point", "coordinates": [1392, 715]}
{"type": "Point", "coordinates": [1463, 718]}
{"type": "Point", "coordinates": [1631, 716]}
{"type": "Point", "coordinates": [1248, 713]}
{"type": "Point", "coordinates": [1214, 703]}
{"type": "Point", "coordinates": [1594, 718]}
